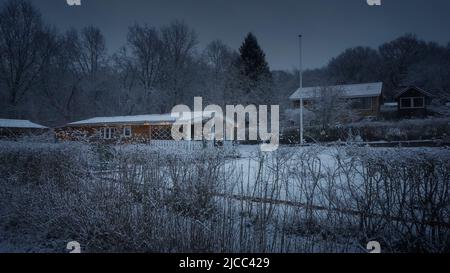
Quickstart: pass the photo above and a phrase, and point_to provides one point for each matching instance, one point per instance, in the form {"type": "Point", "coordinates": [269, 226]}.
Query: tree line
{"type": "Point", "coordinates": [55, 77]}
{"type": "Point", "coordinates": [58, 77]}
{"type": "Point", "coordinates": [405, 61]}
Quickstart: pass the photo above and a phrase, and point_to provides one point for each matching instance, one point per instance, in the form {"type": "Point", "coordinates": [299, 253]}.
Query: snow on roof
{"type": "Point", "coordinates": [349, 91]}
{"type": "Point", "coordinates": [126, 119]}
{"type": "Point", "coordinates": [405, 89]}
{"type": "Point", "coordinates": [19, 123]}
{"type": "Point", "coordinates": [150, 119]}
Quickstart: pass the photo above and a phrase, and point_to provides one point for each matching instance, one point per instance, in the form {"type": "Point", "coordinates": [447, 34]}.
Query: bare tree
{"type": "Point", "coordinates": [128, 82]}
{"type": "Point", "coordinates": [60, 78]}
{"type": "Point", "coordinates": [219, 56]}
{"type": "Point", "coordinates": [25, 48]}
{"type": "Point", "coordinates": [179, 42]}
{"type": "Point", "coordinates": [91, 49]}
{"type": "Point", "coordinates": [219, 59]}
{"type": "Point", "coordinates": [397, 56]}
{"type": "Point", "coordinates": [330, 108]}
{"type": "Point", "coordinates": [147, 49]}
{"type": "Point", "coordinates": [355, 65]}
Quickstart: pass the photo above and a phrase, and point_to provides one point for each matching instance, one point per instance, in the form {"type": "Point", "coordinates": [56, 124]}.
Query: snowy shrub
{"type": "Point", "coordinates": [403, 130]}
{"type": "Point", "coordinates": [414, 129]}
{"type": "Point", "coordinates": [138, 198]}
{"type": "Point", "coordinates": [45, 137]}
{"type": "Point", "coordinates": [409, 191]}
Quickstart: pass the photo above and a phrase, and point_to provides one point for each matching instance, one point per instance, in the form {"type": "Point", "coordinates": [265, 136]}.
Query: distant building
{"type": "Point", "coordinates": [413, 102]}
{"type": "Point", "coordinates": [365, 99]}
{"type": "Point", "coordinates": [16, 128]}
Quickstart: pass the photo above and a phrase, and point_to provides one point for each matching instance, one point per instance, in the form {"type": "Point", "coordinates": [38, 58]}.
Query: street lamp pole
{"type": "Point", "coordinates": [301, 87]}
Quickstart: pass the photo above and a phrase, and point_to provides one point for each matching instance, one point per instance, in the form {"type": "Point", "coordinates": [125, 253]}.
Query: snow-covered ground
{"type": "Point", "coordinates": [297, 199]}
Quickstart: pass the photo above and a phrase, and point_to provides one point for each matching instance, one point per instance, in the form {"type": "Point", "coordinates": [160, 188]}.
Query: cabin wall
{"type": "Point", "coordinates": [373, 111]}
{"type": "Point", "coordinates": [139, 133]}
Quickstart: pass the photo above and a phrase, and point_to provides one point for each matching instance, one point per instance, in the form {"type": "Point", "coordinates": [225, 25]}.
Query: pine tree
{"type": "Point", "coordinates": [254, 76]}
{"type": "Point", "coordinates": [252, 61]}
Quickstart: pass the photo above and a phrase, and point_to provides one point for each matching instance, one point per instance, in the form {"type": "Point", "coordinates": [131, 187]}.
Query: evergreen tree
{"type": "Point", "coordinates": [255, 79]}
{"type": "Point", "coordinates": [252, 61]}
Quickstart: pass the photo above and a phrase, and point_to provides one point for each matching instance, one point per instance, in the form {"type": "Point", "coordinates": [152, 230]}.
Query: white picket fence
{"type": "Point", "coordinates": [187, 145]}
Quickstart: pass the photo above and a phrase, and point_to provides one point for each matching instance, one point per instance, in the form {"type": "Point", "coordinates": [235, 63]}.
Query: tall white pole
{"type": "Point", "coordinates": [301, 86]}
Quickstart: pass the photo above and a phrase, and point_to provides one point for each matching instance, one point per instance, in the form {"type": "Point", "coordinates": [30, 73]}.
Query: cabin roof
{"type": "Point", "coordinates": [140, 119]}
{"type": "Point", "coordinates": [348, 91]}
{"type": "Point", "coordinates": [193, 117]}
{"type": "Point", "coordinates": [406, 89]}
{"type": "Point", "coordinates": [20, 123]}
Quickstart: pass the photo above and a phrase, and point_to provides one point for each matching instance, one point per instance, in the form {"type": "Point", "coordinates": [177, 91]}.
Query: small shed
{"type": "Point", "coordinates": [16, 128]}
{"type": "Point", "coordinates": [413, 102]}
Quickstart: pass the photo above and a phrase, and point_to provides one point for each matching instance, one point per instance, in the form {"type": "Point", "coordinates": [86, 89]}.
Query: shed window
{"type": "Point", "coordinates": [418, 102]}
{"type": "Point", "coordinates": [127, 132]}
{"type": "Point", "coordinates": [306, 103]}
{"type": "Point", "coordinates": [405, 103]}
{"type": "Point", "coordinates": [411, 103]}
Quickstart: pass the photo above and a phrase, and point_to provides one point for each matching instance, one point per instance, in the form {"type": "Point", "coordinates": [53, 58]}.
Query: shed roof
{"type": "Point", "coordinates": [406, 89]}
{"type": "Point", "coordinates": [348, 91]}
{"type": "Point", "coordinates": [20, 123]}
{"type": "Point", "coordinates": [140, 119]}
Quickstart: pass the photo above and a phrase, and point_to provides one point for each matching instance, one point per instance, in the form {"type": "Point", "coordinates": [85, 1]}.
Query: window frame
{"type": "Point", "coordinates": [107, 133]}
{"type": "Point", "coordinates": [423, 102]}
{"type": "Point", "coordinates": [411, 100]}
{"type": "Point", "coordinates": [125, 130]}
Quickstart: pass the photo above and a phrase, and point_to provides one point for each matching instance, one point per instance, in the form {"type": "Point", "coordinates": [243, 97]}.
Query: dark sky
{"type": "Point", "coordinates": [329, 26]}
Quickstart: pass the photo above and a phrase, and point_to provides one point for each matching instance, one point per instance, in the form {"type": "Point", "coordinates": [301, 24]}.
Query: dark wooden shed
{"type": "Point", "coordinates": [413, 102]}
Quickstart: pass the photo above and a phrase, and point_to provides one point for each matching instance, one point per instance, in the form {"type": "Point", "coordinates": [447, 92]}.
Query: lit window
{"type": "Point", "coordinates": [127, 132]}
{"type": "Point", "coordinates": [107, 133]}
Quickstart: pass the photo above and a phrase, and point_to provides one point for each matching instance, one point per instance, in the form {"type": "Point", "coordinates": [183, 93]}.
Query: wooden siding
{"type": "Point", "coordinates": [374, 110]}
{"type": "Point", "coordinates": [92, 133]}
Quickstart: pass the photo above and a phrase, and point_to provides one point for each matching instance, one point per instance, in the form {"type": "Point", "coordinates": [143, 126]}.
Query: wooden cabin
{"type": "Point", "coordinates": [413, 102]}
{"type": "Point", "coordinates": [17, 128]}
{"type": "Point", "coordinates": [125, 129]}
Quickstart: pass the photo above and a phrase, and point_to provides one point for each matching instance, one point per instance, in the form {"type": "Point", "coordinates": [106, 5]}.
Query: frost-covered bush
{"type": "Point", "coordinates": [114, 199]}
{"type": "Point", "coordinates": [45, 137]}
{"type": "Point", "coordinates": [38, 183]}
{"type": "Point", "coordinates": [414, 129]}
{"type": "Point", "coordinates": [139, 198]}
{"type": "Point", "coordinates": [405, 195]}
{"type": "Point", "coordinates": [402, 130]}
